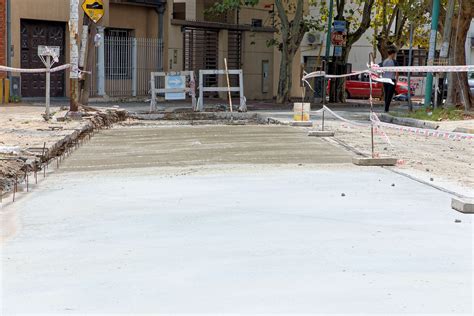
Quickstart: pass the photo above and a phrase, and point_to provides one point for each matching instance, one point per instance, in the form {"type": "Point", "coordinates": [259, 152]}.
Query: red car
{"type": "Point", "coordinates": [358, 86]}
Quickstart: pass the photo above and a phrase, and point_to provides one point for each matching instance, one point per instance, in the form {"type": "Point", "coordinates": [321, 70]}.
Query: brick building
{"type": "Point", "coordinates": [3, 36]}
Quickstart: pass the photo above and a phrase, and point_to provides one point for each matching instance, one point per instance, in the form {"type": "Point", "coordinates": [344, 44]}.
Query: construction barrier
{"type": "Point", "coordinates": [374, 71]}
{"type": "Point", "coordinates": [240, 88]}
{"type": "Point", "coordinates": [190, 88]}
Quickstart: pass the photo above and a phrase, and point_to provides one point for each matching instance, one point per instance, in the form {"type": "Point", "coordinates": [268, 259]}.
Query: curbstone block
{"type": "Point", "coordinates": [362, 161]}
{"type": "Point", "coordinates": [321, 133]}
{"type": "Point", "coordinates": [463, 205]}
{"type": "Point", "coordinates": [301, 123]}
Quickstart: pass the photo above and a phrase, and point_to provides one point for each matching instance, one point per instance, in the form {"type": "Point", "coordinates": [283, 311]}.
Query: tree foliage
{"type": "Point", "coordinates": [292, 23]}
{"type": "Point", "coordinates": [358, 15]}
{"type": "Point", "coordinates": [392, 20]}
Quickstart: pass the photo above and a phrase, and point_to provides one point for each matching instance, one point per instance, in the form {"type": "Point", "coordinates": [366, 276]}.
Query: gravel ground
{"type": "Point", "coordinates": [445, 163]}
{"type": "Point", "coordinates": [23, 126]}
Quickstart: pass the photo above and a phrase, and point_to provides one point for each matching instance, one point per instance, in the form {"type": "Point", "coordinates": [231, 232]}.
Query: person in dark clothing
{"type": "Point", "coordinates": [389, 89]}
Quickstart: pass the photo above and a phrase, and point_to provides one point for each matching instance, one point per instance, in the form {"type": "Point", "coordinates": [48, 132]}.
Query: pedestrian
{"type": "Point", "coordinates": [389, 89]}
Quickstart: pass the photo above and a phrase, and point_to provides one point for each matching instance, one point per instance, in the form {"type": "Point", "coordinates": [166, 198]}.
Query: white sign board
{"type": "Point", "coordinates": [175, 82]}
{"type": "Point", "coordinates": [49, 50]}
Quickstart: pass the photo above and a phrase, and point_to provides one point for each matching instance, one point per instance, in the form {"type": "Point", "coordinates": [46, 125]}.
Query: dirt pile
{"type": "Point", "coordinates": [55, 142]}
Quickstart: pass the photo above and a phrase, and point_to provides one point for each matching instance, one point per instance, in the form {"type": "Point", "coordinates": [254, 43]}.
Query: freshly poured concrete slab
{"type": "Point", "coordinates": [242, 239]}
{"type": "Point", "coordinates": [232, 220]}
{"type": "Point", "coordinates": [202, 145]}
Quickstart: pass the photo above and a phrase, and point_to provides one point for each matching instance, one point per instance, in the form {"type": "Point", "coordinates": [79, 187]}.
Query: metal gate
{"type": "Point", "coordinates": [127, 65]}
{"type": "Point", "coordinates": [234, 54]}
{"type": "Point", "coordinates": [34, 33]}
{"type": "Point", "coordinates": [201, 51]}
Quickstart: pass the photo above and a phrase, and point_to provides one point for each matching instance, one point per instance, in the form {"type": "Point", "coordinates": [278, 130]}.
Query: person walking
{"type": "Point", "coordinates": [389, 89]}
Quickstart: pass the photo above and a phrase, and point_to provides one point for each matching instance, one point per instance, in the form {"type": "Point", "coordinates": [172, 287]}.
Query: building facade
{"type": "Point", "coordinates": [45, 22]}
{"type": "Point", "coordinates": [3, 36]}
{"type": "Point", "coordinates": [198, 40]}
{"type": "Point", "coordinates": [141, 36]}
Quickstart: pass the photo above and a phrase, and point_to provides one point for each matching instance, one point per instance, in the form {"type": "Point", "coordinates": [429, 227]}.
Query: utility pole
{"type": "Point", "coordinates": [443, 55]}
{"type": "Point", "coordinates": [74, 55]}
{"type": "Point", "coordinates": [431, 52]}
{"type": "Point", "coordinates": [328, 49]}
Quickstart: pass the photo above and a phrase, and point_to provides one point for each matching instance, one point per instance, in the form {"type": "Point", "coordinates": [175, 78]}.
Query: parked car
{"type": "Point", "coordinates": [358, 86]}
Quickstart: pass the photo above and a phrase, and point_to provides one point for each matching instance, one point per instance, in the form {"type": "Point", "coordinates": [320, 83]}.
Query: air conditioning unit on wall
{"type": "Point", "coordinates": [313, 38]}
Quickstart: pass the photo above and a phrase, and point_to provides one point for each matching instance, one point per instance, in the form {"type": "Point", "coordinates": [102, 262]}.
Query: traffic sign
{"type": "Point", "coordinates": [175, 82]}
{"type": "Point", "coordinates": [338, 38]}
{"type": "Point", "coordinates": [339, 26]}
{"type": "Point", "coordinates": [94, 9]}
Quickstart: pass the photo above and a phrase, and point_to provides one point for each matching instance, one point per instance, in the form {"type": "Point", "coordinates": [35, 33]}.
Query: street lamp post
{"type": "Point", "coordinates": [431, 53]}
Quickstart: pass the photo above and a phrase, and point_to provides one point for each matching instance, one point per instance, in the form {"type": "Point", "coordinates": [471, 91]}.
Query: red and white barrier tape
{"type": "Point", "coordinates": [343, 119]}
{"type": "Point", "coordinates": [424, 132]}
{"type": "Point", "coordinates": [374, 120]}
{"type": "Point", "coordinates": [323, 74]}
{"type": "Point", "coordinates": [375, 69]}
{"type": "Point", "coordinates": [463, 68]}
{"type": "Point", "coordinates": [39, 70]}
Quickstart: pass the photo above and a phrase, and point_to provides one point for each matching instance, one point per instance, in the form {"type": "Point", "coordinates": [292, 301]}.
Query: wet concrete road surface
{"type": "Point", "coordinates": [202, 145]}
{"type": "Point", "coordinates": [234, 226]}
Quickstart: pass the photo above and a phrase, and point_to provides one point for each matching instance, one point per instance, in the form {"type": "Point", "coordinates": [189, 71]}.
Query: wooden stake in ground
{"type": "Point", "coordinates": [228, 84]}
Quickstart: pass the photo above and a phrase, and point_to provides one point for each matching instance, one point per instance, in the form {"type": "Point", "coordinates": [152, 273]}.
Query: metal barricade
{"type": "Point", "coordinates": [240, 88]}
{"type": "Point", "coordinates": [189, 88]}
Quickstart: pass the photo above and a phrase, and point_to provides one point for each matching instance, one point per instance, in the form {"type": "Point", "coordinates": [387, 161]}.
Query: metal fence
{"type": "Point", "coordinates": [127, 65]}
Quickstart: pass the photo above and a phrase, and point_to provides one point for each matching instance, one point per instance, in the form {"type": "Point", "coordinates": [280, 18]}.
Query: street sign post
{"type": "Point", "coordinates": [94, 9]}
{"type": "Point", "coordinates": [46, 53]}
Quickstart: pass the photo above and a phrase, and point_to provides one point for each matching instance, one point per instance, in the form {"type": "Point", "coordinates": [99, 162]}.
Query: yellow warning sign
{"type": "Point", "coordinates": [94, 9]}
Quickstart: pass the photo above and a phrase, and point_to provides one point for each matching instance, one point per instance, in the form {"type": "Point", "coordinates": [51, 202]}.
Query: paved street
{"type": "Point", "coordinates": [224, 219]}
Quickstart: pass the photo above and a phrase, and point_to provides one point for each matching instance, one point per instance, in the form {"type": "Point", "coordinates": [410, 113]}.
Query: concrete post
{"type": "Point", "coordinates": [101, 63]}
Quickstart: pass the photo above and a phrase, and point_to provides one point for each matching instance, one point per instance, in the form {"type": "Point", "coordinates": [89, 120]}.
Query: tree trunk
{"type": "Point", "coordinates": [458, 86]}
{"type": "Point", "coordinates": [340, 86]}
{"type": "Point", "coordinates": [382, 43]}
{"type": "Point", "coordinates": [285, 82]}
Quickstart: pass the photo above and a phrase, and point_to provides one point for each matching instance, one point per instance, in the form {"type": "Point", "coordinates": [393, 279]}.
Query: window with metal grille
{"type": "Point", "coordinates": [201, 51]}
{"type": "Point", "coordinates": [118, 53]}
